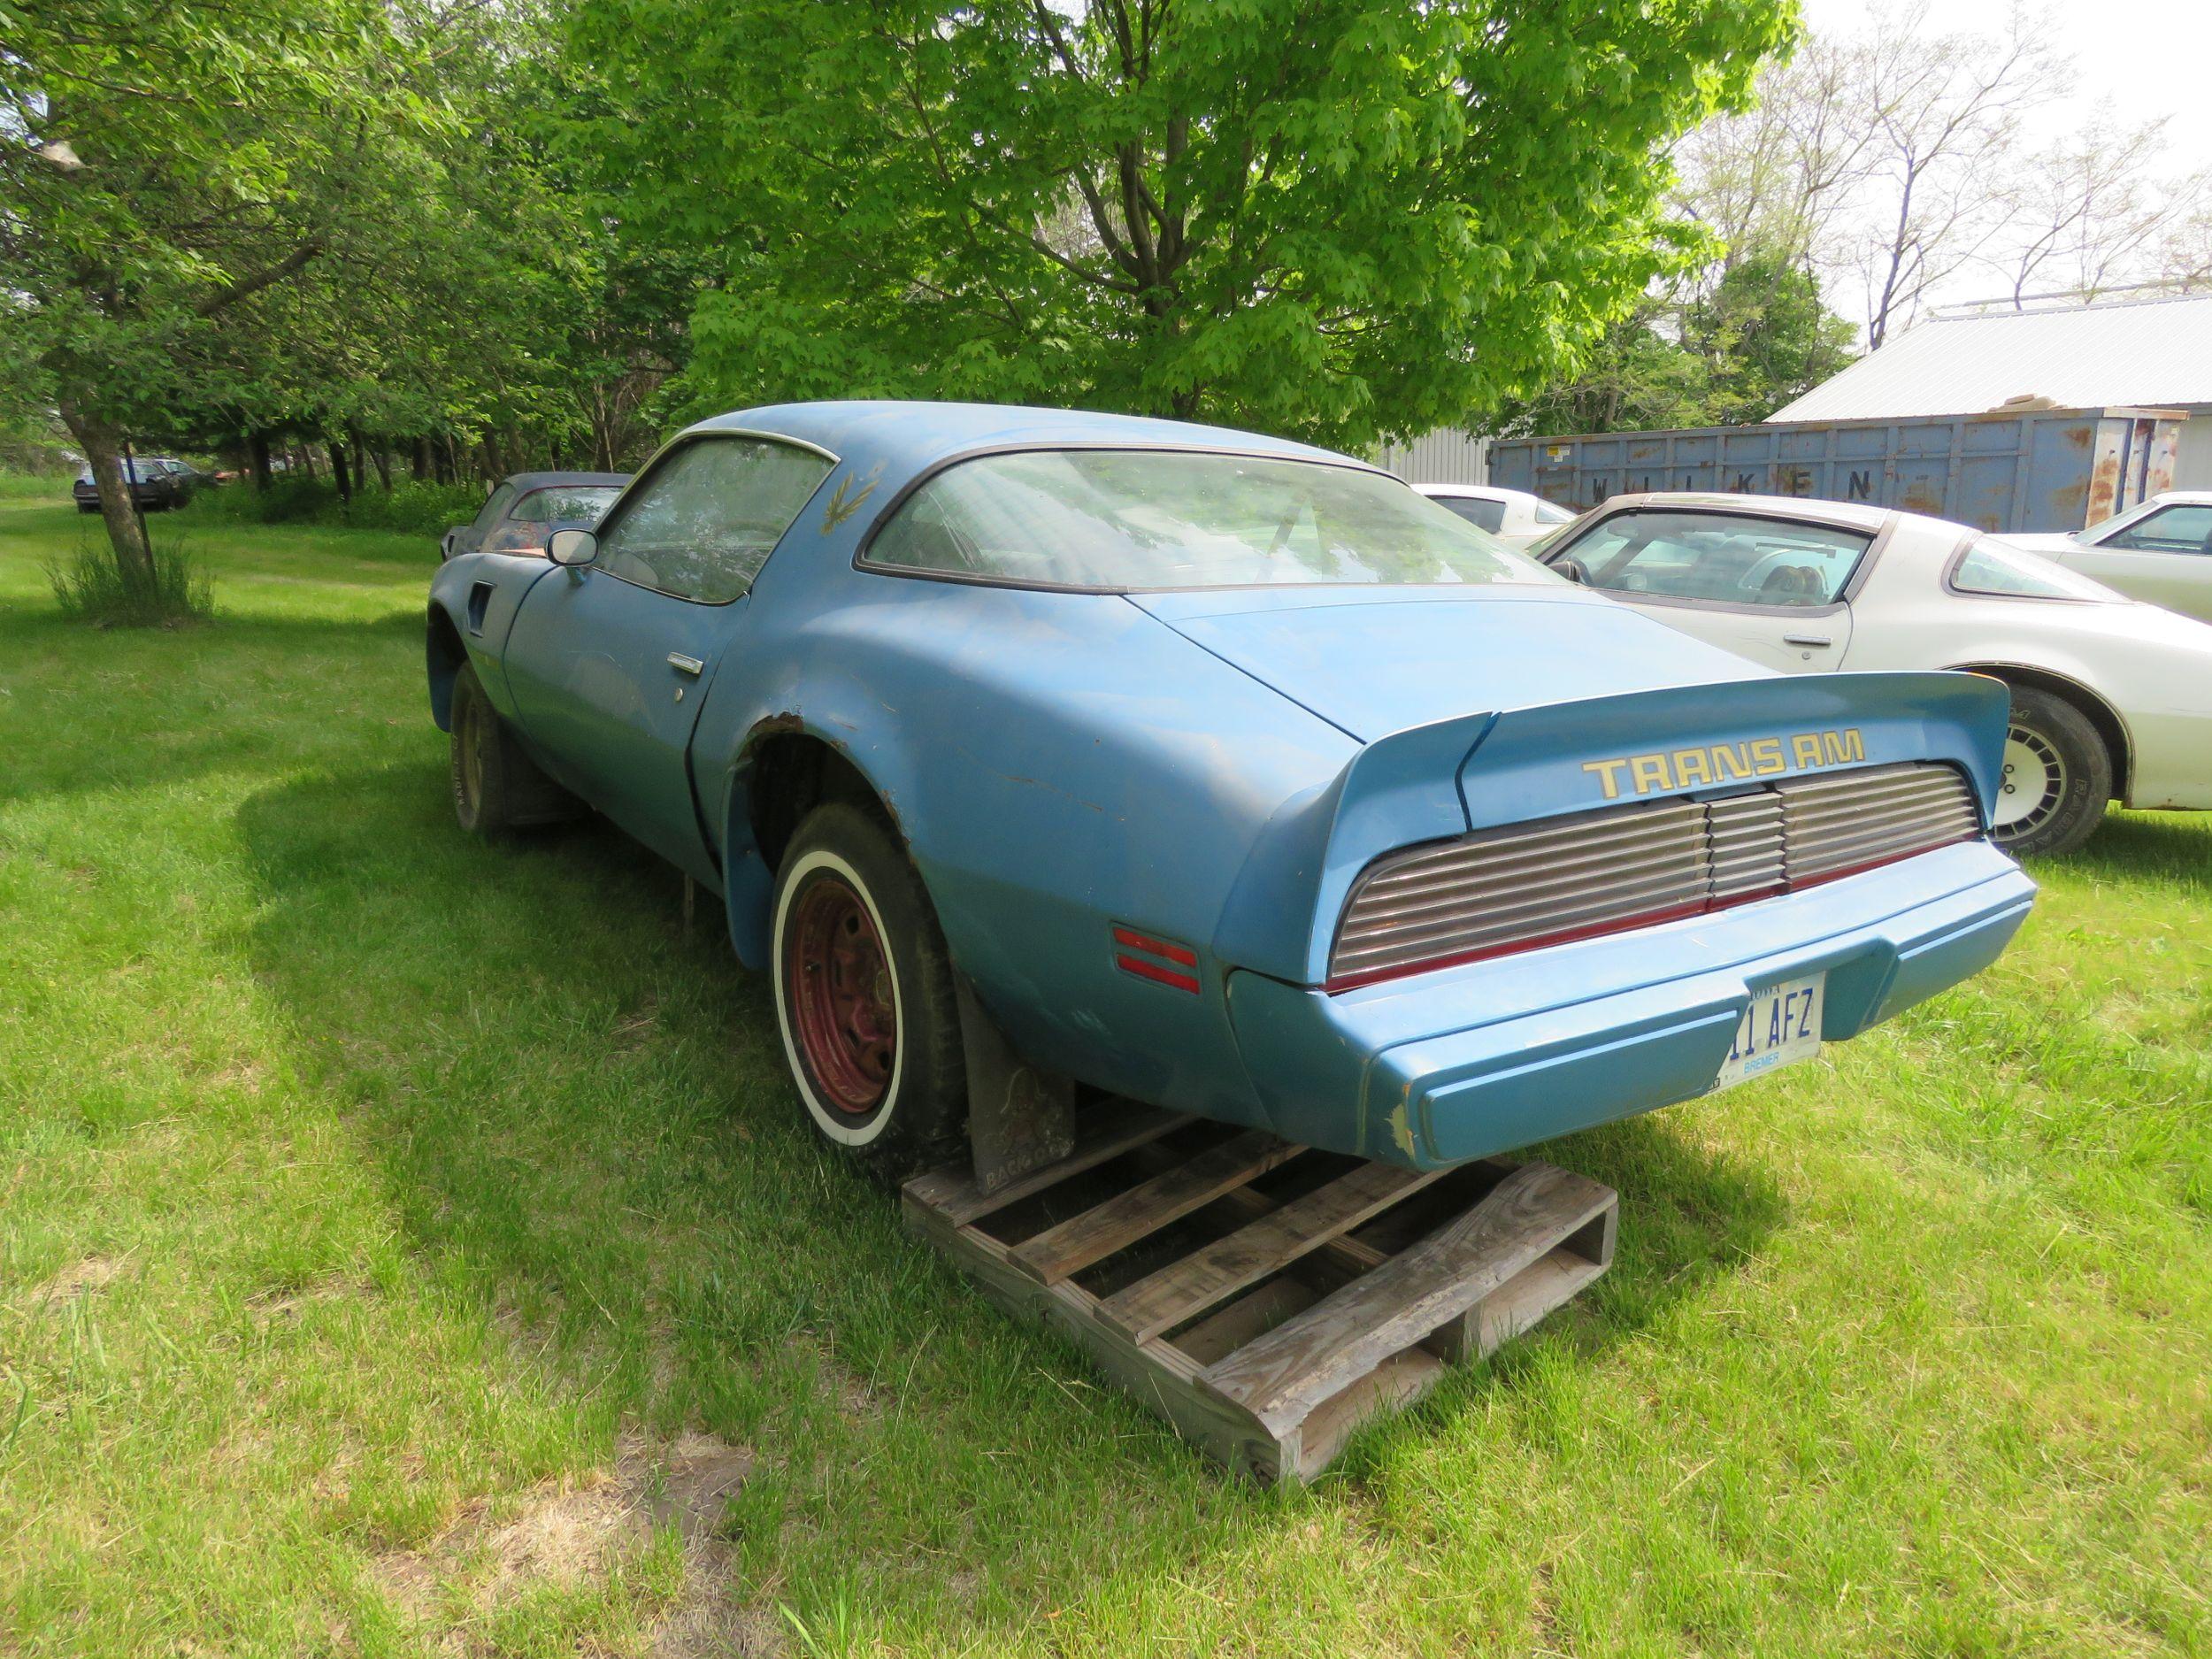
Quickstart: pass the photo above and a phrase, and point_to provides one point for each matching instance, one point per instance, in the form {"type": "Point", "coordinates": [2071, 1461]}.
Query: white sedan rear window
{"type": "Point", "coordinates": [2008, 572]}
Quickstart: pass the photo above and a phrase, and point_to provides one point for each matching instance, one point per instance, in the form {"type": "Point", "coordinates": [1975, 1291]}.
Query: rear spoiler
{"type": "Point", "coordinates": [1480, 771]}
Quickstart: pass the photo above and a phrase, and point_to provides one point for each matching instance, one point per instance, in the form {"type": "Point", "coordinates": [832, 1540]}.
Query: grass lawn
{"type": "Point", "coordinates": [409, 1247]}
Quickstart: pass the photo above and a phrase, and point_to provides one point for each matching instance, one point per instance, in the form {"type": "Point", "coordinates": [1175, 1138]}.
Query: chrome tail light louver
{"type": "Point", "coordinates": [1616, 868]}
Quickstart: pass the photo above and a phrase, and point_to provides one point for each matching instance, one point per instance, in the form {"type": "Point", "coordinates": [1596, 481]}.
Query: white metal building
{"type": "Point", "coordinates": [2130, 353]}
{"type": "Point", "coordinates": [1443, 457]}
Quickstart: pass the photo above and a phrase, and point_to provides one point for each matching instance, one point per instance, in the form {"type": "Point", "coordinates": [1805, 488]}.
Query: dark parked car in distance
{"type": "Point", "coordinates": [528, 507]}
{"type": "Point", "coordinates": [157, 481]}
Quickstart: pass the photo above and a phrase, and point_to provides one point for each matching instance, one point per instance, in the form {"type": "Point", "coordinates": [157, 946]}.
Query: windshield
{"type": "Point", "coordinates": [1152, 519]}
{"type": "Point", "coordinates": [1989, 567]}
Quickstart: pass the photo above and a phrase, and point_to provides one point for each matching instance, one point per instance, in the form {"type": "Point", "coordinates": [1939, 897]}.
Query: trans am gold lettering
{"type": "Point", "coordinates": [1605, 770]}
{"type": "Point", "coordinates": [1668, 770]}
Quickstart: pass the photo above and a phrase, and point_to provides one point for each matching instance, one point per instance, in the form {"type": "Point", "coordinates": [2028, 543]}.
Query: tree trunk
{"type": "Point", "coordinates": [383, 465]}
{"type": "Point", "coordinates": [305, 456]}
{"type": "Point", "coordinates": [257, 459]}
{"type": "Point", "coordinates": [339, 473]}
{"type": "Point", "coordinates": [102, 447]}
{"type": "Point", "coordinates": [419, 461]}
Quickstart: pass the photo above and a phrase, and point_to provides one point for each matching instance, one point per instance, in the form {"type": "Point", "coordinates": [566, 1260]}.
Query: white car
{"type": "Point", "coordinates": [1514, 515]}
{"type": "Point", "coordinates": [2111, 700]}
{"type": "Point", "coordinates": [2161, 551]}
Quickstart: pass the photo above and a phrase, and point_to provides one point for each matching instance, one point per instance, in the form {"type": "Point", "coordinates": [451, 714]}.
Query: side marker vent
{"type": "Point", "coordinates": [1162, 961]}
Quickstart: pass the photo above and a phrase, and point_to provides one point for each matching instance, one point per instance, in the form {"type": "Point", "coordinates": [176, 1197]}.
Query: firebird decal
{"type": "Point", "coordinates": [1671, 770]}
{"type": "Point", "coordinates": [842, 506]}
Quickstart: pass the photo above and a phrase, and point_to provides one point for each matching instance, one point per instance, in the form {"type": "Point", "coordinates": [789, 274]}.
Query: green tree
{"type": "Point", "coordinates": [1726, 344]}
{"type": "Point", "coordinates": [1340, 219]}
{"type": "Point", "coordinates": [164, 166]}
{"type": "Point", "coordinates": [1763, 336]}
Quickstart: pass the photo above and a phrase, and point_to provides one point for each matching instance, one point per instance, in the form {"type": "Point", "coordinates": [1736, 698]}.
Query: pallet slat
{"type": "Point", "coordinates": [1144, 1209]}
{"type": "Point", "coordinates": [954, 1191]}
{"type": "Point", "coordinates": [1187, 1287]}
{"type": "Point", "coordinates": [1302, 1363]}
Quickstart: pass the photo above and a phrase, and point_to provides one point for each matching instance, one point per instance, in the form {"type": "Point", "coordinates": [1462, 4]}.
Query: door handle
{"type": "Point", "coordinates": [1807, 639]}
{"type": "Point", "coordinates": [693, 666]}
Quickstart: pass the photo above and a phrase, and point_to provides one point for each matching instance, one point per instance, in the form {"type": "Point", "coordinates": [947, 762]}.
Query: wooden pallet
{"type": "Point", "coordinates": [1264, 1298]}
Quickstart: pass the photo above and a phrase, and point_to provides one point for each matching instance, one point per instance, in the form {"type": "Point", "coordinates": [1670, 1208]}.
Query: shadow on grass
{"type": "Point", "coordinates": [2160, 848]}
{"type": "Point", "coordinates": [197, 708]}
{"type": "Point", "coordinates": [582, 1122]}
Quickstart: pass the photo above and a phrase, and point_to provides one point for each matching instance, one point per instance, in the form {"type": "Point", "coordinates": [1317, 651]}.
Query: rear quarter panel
{"type": "Point", "coordinates": [1057, 764]}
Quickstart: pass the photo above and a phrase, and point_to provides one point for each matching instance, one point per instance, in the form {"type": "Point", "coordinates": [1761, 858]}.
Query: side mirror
{"type": "Point", "coordinates": [445, 542]}
{"type": "Point", "coordinates": [1574, 569]}
{"type": "Point", "coordinates": [573, 548]}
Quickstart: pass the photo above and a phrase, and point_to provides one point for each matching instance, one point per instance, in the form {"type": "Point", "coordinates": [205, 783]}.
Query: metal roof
{"type": "Point", "coordinates": [2150, 353]}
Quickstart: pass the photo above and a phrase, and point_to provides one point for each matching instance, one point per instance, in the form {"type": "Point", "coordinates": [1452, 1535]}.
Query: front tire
{"type": "Point", "coordinates": [496, 787]}
{"type": "Point", "coordinates": [864, 1000]}
{"type": "Point", "coordinates": [2057, 777]}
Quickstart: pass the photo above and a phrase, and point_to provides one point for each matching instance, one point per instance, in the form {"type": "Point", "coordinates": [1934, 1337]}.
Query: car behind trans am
{"type": "Point", "coordinates": [1212, 770]}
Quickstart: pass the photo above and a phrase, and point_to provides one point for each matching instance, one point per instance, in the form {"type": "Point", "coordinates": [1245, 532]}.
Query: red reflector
{"type": "Point", "coordinates": [1162, 961]}
{"type": "Point", "coordinates": [1153, 971]}
{"type": "Point", "coordinates": [1173, 952]}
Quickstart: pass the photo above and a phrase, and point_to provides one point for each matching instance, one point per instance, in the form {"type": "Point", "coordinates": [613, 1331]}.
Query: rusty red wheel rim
{"type": "Point", "coordinates": [842, 1011]}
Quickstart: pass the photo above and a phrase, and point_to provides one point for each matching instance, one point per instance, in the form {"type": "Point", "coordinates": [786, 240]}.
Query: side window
{"type": "Point", "coordinates": [2182, 529]}
{"type": "Point", "coordinates": [1484, 515]}
{"type": "Point", "coordinates": [705, 522]}
{"type": "Point", "coordinates": [1722, 558]}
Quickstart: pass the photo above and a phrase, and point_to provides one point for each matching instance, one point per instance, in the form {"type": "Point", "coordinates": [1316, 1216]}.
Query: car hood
{"type": "Point", "coordinates": [1375, 661]}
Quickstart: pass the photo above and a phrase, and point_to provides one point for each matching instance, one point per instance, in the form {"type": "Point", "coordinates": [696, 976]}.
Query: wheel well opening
{"type": "Point", "coordinates": [2094, 708]}
{"type": "Point", "coordinates": [792, 774]}
{"type": "Point", "coordinates": [445, 654]}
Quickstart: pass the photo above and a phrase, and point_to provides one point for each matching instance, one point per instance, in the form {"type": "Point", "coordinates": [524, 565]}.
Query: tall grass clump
{"type": "Point", "coordinates": [91, 587]}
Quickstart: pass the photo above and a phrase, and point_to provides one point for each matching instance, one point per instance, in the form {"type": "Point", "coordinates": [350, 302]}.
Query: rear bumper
{"type": "Point", "coordinates": [2170, 762]}
{"type": "Point", "coordinates": [1438, 1068]}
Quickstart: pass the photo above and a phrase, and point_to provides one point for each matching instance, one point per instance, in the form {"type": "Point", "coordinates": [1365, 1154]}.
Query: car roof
{"type": "Point", "coordinates": [2181, 498]}
{"type": "Point", "coordinates": [1473, 492]}
{"type": "Point", "coordinates": [543, 481]}
{"type": "Point", "coordinates": [910, 438]}
{"type": "Point", "coordinates": [1850, 514]}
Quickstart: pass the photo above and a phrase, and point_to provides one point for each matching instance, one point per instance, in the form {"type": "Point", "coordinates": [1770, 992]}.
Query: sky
{"type": "Point", "coordinates": [2147, 57]}
{"type": "Point", "coordinates": [2139, 60]}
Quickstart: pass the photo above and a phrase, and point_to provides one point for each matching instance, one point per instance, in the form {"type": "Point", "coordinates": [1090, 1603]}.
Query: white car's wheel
{"type": "Point", "coordinates": [2056, 778]}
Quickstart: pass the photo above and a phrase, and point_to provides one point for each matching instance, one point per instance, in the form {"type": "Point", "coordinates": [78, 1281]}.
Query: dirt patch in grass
{"type": "Point", "coordinates": [95, 1272]}
{"type": "Point", "coordinates": [566, 1533]}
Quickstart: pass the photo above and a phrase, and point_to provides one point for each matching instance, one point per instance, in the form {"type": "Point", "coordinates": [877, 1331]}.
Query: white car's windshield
{"type": "Point", "coordinates": [1128, 519]}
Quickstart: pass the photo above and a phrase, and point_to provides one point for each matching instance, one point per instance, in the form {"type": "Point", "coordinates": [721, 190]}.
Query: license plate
{"type": "Point", "coordinates": [1781, 1025]}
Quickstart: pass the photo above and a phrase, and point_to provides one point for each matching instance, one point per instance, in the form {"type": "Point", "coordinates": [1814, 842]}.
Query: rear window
{"type": "Point", "coordinates": [1115, 519]}
{"type": "Point", "coordinates": [582, 504]}
{"type": "Point", "coordinates": [1720, 558]}
{"type": "Point", "coordinates": [2009, 573]}
{"type": "Point", "coordinates": [1484, 515]}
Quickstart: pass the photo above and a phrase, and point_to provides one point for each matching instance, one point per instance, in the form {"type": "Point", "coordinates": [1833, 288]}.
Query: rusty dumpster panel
{"type": "Point", "coordinates": [2040, 469]}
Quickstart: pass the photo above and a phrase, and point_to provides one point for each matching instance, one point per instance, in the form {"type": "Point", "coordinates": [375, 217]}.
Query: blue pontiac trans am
{"type": "Point", "coordinates": [1213, 770]}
